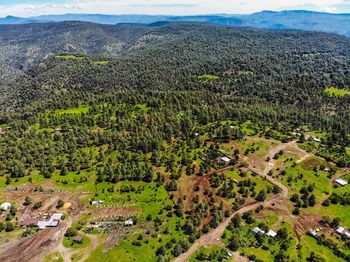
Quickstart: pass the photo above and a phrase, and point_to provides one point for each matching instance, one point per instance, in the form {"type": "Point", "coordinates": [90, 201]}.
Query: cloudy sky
{"type": "Point", "coordinates": [26, 8]}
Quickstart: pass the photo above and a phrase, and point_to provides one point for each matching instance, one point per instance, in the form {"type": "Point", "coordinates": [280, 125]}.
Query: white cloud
{"type": "Point", "coordinates": [177, 7]}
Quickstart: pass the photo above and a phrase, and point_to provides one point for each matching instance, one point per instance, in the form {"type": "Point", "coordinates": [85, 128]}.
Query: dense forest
{"type": "Point", "coordinates": [274, 76]}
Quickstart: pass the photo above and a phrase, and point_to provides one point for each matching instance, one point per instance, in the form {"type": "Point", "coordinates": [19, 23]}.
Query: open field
{"type": "Point", "coordinates": [332, 91]}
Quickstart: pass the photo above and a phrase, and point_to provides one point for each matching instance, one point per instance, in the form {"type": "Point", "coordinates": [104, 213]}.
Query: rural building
{"type": "Point", "coordinates": [340, 230]}
{"type": "Point", "coordinates": [95, 203]}
{"type": "Point", "coordinates": [317, 140]}
{"type": "Point", "coordinates": [48, 223]}
{"type": "Point", "coordinates": [257, 230]}
{"type": "Point", "coordinates": [341, 182]}
{"type": "Point", "coordinates": [225, 160]}
{"type": "Point", "coordinates": [30, 221]}
{"type": "Point", "coordinates": [313, 233]}
{"type": "Point", "coordinates": [57, 216]}
{"type": "Point", "coordinates": [5, 206]}
{"type": "Point", "coordinates": [343, 232]}
{"type": "Point", "coordinates": [43, 222]}
{"type": "Point", "coordinates": [129, 222]}
{"type": "Point", "coordinates": [271, 233]}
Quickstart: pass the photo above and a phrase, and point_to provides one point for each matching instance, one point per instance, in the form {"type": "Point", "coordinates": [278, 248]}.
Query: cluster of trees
{"type": "Point", "coordinates": [229, 188]}
{"type": "Point", "coordinates": [305, 199]}
{"type": "Point", "coordinates": [342, 199]}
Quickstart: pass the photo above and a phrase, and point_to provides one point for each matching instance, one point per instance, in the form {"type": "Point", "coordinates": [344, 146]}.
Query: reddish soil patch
{"type": "Point", "coordinates": [305, 223]}
{"type": "Point", "coordinates": [36, 247]}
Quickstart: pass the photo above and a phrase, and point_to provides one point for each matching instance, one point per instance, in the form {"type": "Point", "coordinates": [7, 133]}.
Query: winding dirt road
{"type": "Point", "coordinates": [214, 236]}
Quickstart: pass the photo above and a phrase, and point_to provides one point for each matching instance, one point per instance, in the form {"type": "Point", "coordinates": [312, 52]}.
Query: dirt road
{"type": "Point", "coordinates": [213, 237]}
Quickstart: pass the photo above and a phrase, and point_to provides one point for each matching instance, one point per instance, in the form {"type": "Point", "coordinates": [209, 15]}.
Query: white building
{"type": "Point", "coordinates": [5, 206]}
{"type": "Point", "coordinates": [317, 140]}
{"type": "Point", "coordinates": [341, 182]}
{"type": "Point", "coordinates": [129, 222]}
{"type": "Point", "coordinates": [57, 216]}
{"type": "Point", "coordinates": [225, 159]}
{"type": "Point", "coordinates": [271, 233]}
{"type": "Point", "coordinates": [257, 230]}
{"type": "Point", "coordinates": [343, 232]}
{"type": "Point", "coordinates": [340, 230]}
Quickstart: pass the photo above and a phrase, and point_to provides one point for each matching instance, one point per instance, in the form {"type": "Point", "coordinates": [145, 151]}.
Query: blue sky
{"type": "Point", "coordinates": [27, 8]}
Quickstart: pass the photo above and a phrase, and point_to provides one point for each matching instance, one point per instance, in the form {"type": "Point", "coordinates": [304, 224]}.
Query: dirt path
{"type": "Point", "coordinates": [214, 236]}
{"type": "Point", "coordinates": [43, 241]}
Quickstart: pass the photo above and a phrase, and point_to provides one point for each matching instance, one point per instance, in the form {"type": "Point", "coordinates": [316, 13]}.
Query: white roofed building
{"type": "Point", "coordinates": [271, 233]}
{"type": "Point", "coordinates": [257, 230]}
{"type": "Point", "coordinates": [341, 182]}
{"type": "Point", "coordinates": [225, 159]}
{"type": "Point", "coordinates": [129, 222]}
{"type": "Point", "coordinates": [5, 206]}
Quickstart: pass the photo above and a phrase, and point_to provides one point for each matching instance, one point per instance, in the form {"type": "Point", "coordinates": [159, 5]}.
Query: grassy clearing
{"type": "Point", "coordinates": [311, 55]}
{"type": "Point", "coordinates": [261, 183]}
{"type": "Point", "coordinates": [147, 196]}
{"type": "Point", "coordinates": [35, 178]}
{"type": "Point", "coordinates": [54, 257]}
{"type": "Point", "coordinates": [101, 62]}
{"type": "Point", "coordinates": [144, 250]}
{"type": "Point", "coordinates": [302, 174]}
{"type": "Point", "coordinates": [208, 77]}
{"type": "Point", "coordinates": [309, 244]}
{"type": "Point", "coordinates": [69, 242]}
{"type": "Point", "coordinates": [311, 163]}
{"type": "Point", "coordinates": [73, 57]}
{"type": "Point", "coordinates": [343, 212]}
{"type": "Point", "coordinates": [269, 248]}
{"type": "Point", "coordinates": [332, 91]}
{"type": "Point", "coordinates": [211, 251]}
{"type": "Point", "coordinates": [78, 110]}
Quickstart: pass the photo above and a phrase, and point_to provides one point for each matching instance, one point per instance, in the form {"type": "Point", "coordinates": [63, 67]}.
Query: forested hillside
{"type": "Point", "coordinates": [283, 75]}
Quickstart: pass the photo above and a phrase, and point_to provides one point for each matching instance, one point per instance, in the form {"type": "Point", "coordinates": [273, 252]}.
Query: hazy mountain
{"type": "Point", "coordinates": [302, 20]}
{"type": "Point", "coordinates": [12, 20]}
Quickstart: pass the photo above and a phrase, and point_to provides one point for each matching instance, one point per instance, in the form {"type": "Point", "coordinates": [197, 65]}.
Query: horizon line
{"type": "Point", "coordinates": [203, 14]}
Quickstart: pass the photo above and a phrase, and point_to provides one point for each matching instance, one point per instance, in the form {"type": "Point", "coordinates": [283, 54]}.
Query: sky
{"type": "Point", "coordinates": [28, 8]}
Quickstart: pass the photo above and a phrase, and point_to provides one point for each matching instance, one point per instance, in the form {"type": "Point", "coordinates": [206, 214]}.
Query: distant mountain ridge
{"type": "Point", "coordinates": [295, 19]}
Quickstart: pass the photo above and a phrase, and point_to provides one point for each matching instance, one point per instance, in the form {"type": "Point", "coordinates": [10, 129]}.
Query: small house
{"type": "Point", "coordinates": [5, 206]}
{"type": "Point", "coordinates": [317, 140]}
{"type": "Point", "coordinates": [129, 222]}
{"type": "Point", "coordinates": [271, 233]}
{"type": "Point", "coordinates": [225, 160]}
{"type": "Point", "coordinates": [257, 230]}
{"type": "Point", "coordinates": [340, 230]}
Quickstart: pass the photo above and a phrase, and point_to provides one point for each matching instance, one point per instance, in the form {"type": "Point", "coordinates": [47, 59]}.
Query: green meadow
{"type": "Point", "coordinates": [332, 91]}
{"type": "Point", "coordinates": [72, 57]}
{"type": "Point", "coordinates": [208, 77]}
